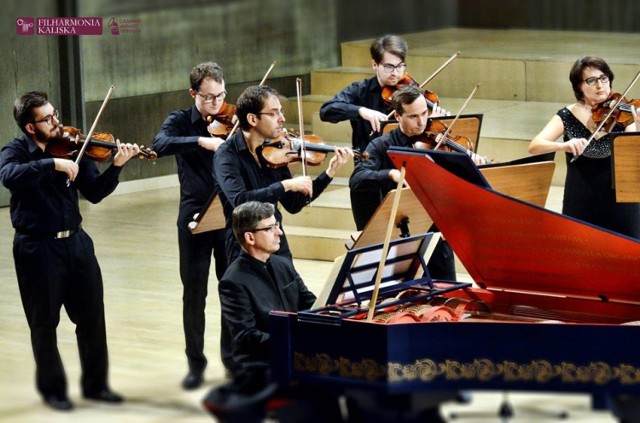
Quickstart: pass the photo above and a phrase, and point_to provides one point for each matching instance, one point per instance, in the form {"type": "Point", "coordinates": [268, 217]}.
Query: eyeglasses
{"type": "Point", "coordinates": [48, 118]}
{"type": "Point", "coordinates": [211, 98]}
{"type": "Point", "coordinates": [592, 81]}
{"type": "Point", "coordinates": [272, 114]}
{"type": "Point", "coordinates": [388, 67]}
{"type": "Point", "coordinates": [271, 228]}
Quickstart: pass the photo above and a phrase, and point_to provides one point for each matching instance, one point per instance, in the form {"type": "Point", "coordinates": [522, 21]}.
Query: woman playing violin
{"type": "Point", "coordinates": [588, 192]}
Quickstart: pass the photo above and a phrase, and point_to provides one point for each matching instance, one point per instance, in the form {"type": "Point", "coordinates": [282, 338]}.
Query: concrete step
{"type": "Point", "coordinates": [513, 64]}
{"type": "Point", "coordinates": [331, 210]}
{"type": "Point", "coordinates": [311, 104]}
{"type": "Point", "coordinates": [520, 90]}
{"type": "Point", "coordinates": [317, 243]}
{"type": "Point", "coordinates": [333, 80]}
{"type": "Point", "coordinates": [507, 127]}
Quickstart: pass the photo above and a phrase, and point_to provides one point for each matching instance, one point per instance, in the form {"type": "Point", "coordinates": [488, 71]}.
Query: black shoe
{"type": "Point", "coordinates": [60, 403]}
{"type": "Point", "coordinates": [105, 395]}
{"type": "Point", "coordinates": [193, 380]}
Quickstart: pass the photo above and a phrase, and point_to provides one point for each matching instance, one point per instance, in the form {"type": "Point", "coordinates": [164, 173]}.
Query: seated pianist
{"type": "Point", "coordinates": [257, 282]}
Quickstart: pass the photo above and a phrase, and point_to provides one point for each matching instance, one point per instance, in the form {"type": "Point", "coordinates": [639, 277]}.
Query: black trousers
{"type": "Point", "coordinates": [195, 262]}
{"type": "Point", "coordinates": [52, 273]}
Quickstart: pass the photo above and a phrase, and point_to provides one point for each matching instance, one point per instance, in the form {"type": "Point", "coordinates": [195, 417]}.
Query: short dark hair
{"type": "Point", "coordinates": [246, 216]}
{"type": "Point", "coordinates": [388, 44]}
{"type": "Point", "coordinates": [205, 70]}
{"type": "Point", "coordinates": [252, 100]}
{"type": "Point", "coordinates": [405, 95]}
{"type": "Point", "coordinates": [575, 75]}
{"type": "Point", "coordinates": [23, 107]}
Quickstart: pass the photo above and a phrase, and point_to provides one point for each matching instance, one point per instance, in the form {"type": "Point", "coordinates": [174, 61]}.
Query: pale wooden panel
{"type": "Point", "coordinates": [465, 126]}
{"type": "Point", "coordinates": [626, 168]}
{"type": "Point", "coordinates": [210, 219]}
{"type": "Point", "coordinates": [409, 209]}
{"type": "Point", "coordinates": [527, 182]}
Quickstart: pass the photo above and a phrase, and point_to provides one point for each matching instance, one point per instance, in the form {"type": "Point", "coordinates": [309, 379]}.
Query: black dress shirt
{"type": "Point", "coordinates": [41, 203]}
{"type": "Point", "coordinates": [373, 173]}
{"type": "Point", "coordinates": [179, 136]}
{"type": "Point", "coordinates": [240, 179]}
{"type": "Point", "coordinates": [249, 290]}
{"type": "Point", "coordinates": [345, 105]}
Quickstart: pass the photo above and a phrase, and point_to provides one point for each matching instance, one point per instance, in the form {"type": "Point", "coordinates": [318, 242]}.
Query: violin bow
{"type": "Point", "coordinates": [303, 148]}
{"type": "Point", "coordinates": [95, 122]}
{"type": "Point", "coordinates": [453, 122]}
{"type": "Point", "coordinates": [444, 65]}
{"type": "Point", "coordinates": [604, 121]}
{"type": "Point", "coordinates": [93, 127]}
{"type": "Point", "coordinates": [385, 245]}
{"type": "Point", "coordinates": [264, 78]}
{"type": "Point", "coordinates": [433, 75]}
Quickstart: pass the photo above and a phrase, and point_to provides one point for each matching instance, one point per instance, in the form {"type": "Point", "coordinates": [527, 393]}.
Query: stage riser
{"type": "Point", "coordinates": [523, 78]}
{"type": "Point", "coordinates": [322, 216]}
{"type": "Point", "coordinates": [316, 248]}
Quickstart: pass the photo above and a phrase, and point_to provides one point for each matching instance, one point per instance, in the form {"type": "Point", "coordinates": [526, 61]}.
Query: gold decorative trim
{"type": "Point", "coordinates": [482, 370]}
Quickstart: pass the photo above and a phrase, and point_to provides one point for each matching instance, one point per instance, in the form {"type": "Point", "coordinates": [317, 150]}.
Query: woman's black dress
{"type": "Point", "coordinates": [588, 191]}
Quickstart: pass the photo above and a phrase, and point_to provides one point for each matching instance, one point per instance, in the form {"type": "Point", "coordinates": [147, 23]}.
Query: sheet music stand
{"type": "Point", "coordinates": [410, 218]}
{"type": "Point", "coordinates": [210, 218]}
{"type": "Point", "coordinates": [526, 180]}
{"type": "Point", "coordinates": [626, 166]}
{"type": "Point", "coordinates": [353, 277]}
{"type": "Point", "coordinates": [466, 126]}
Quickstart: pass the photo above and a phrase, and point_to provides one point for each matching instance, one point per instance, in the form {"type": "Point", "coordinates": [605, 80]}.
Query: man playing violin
{"type": "Point", "coordinates": [54, 257]}
{"type": "Point", "coordinates": [378, 174]}
{"type": "Point", "coordinates": [184, 134]}
{"type": "Point", "coordinates": [363, 105]}
{"type": "Point", "coordinates": [588, 189]}
{"type": "Point", "coordinates": [242, 175]}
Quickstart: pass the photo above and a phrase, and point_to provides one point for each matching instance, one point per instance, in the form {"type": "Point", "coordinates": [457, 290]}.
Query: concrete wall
{"type": "Point", "coordinates": [28, 63]}
{"type": "Point", "coordinates": [150, 68]}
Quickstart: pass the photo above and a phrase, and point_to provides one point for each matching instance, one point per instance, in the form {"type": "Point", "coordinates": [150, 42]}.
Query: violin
{"type": "Point", "coordinates": [100, 148]}
{"type": "Point", "coordinates": [221, 124]}
{"type": "Point", "coordinates": [287, 149]}
{"type": "Point", "coordinates": [429, 139]}
{"type": "Point", "coordinates": [431, 97]}
{"type": "Point", "coordinates": [622, 114]}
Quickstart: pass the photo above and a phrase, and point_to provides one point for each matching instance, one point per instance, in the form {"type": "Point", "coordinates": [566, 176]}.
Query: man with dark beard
{"type": "Point", "coordinates": [54, 257]}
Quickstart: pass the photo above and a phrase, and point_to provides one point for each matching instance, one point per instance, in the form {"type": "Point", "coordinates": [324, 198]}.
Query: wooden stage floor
{"type": "Point", "coordinates": [135, 238]}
